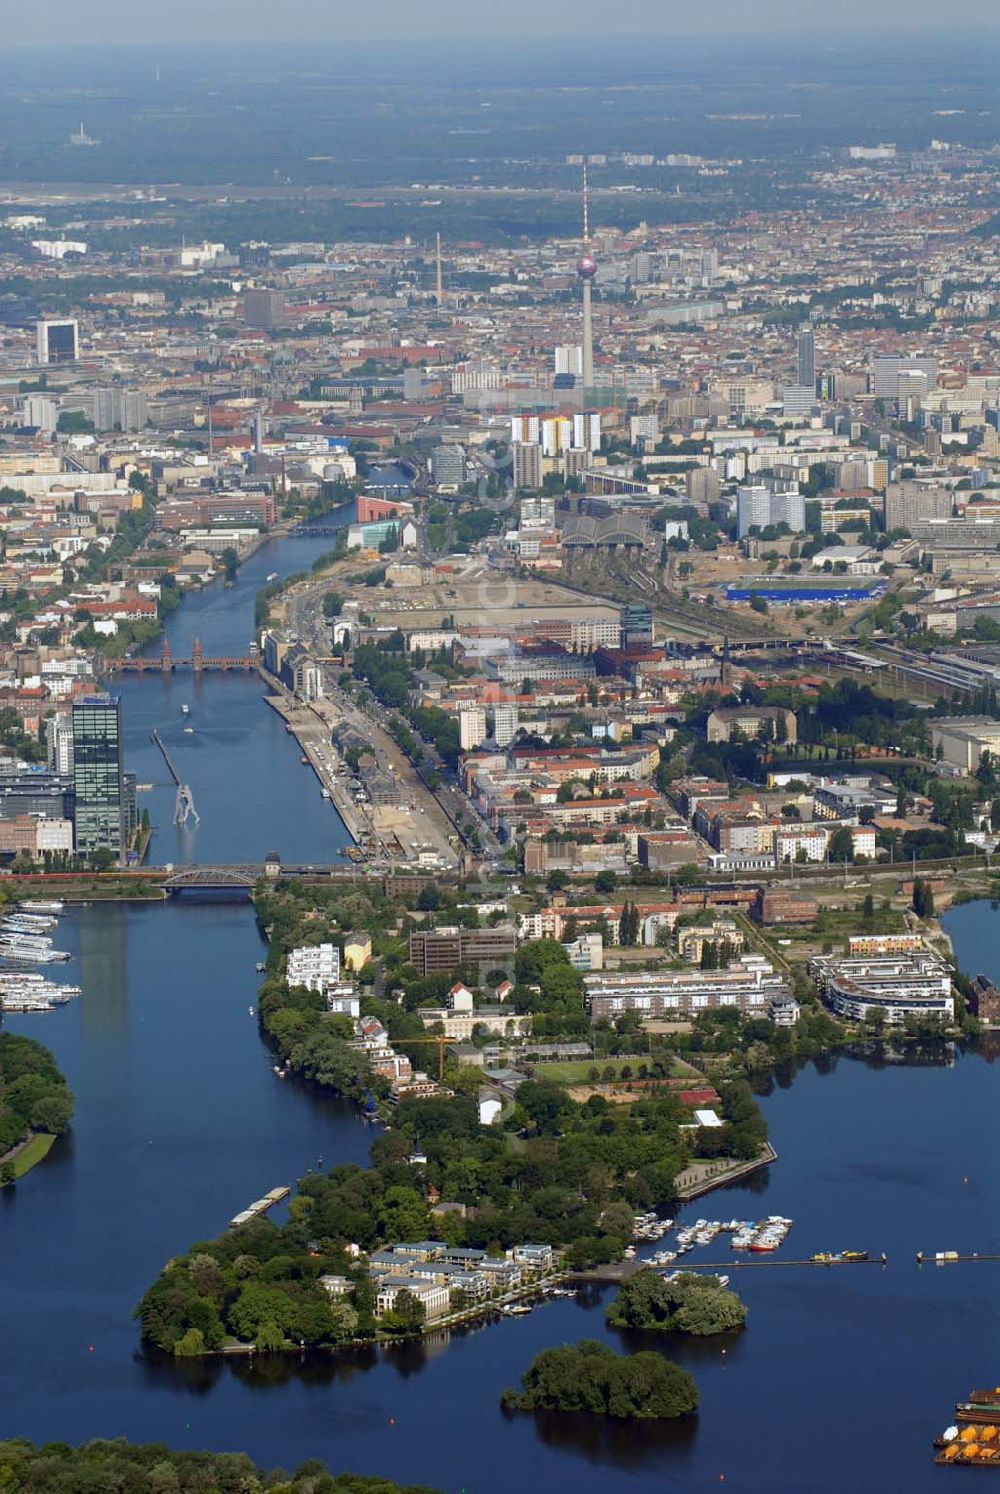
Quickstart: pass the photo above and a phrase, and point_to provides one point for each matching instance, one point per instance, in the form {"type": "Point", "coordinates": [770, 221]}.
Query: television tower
{"type": "Point", "coordinates": [586, 269]}
{"type": "Point", "coordinates": [438, 281]}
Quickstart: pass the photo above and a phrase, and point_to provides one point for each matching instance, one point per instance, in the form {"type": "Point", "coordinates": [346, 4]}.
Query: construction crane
{"type": "Point", "coordinates": [442, 1044]}
{"type": "Point", "coordinates": [184, 802]}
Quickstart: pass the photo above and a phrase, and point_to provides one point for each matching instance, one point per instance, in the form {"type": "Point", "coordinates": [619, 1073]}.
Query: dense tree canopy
{"type": "Point", "coordinates": [151, 1468]}
{"type": "Point", "coordinates": [33, 1093]}
{"type": "Point", "coordinates": [591, 1377]}
{"type": "Point", "coordinates": [690, 1303]}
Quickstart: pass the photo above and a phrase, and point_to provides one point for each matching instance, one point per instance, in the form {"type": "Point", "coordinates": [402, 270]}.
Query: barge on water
{"type": "Point", "coordinates": [259, 1207]}
{"type": "Point", "coordinates": [974, 1440]}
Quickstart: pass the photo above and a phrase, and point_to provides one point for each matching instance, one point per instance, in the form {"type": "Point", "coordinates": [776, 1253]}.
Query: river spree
{"type": "Point", "coordinates": [252, 793]}
{"type": "Point", "coordinates": [839, 1382]}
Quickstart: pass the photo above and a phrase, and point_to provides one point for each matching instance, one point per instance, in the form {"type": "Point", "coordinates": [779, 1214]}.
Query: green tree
{"type": "Point", "coordinates": [841, 845]}
{"type": "Point", "coordinates": [618, 1219]}
{"type": "Point", "coordinates": [546, 1105]}
{"type": "Point", "coordinates": [191, 1345]}
{"type": "Point", "coordinates": [705, 1313]}
{"type": "Point", "coordinates": [628, 925]}
{"type": "Point", "coordinates": [345, 1321]}
{"type": "Point", "coordinates": [408, 1312]}
{"type": "Point", "coordinates": [692, 1304]}
{"type": "Point", "coordinates": [403, 1214]}
{"type": "Point", "coordinates": [269, 1337]}
{"type": "Point", "coordinates": [923, 898]}
{"type": "Point", "coordinates": [258, 1304]}
{"type": "Point", "coordinates": [53, 1112]}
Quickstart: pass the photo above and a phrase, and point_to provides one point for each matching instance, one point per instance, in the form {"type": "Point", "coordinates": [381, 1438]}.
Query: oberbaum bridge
{"type": "Point", "coordinates": [167, 664]}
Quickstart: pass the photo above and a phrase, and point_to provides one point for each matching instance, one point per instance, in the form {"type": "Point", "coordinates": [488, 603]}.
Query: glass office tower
{"type": "Point", "coordinates": [97, 775]}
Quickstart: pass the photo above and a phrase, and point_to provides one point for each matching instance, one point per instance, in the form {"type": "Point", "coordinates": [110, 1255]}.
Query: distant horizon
{"type": "Point", "coordinates": [231, 23]}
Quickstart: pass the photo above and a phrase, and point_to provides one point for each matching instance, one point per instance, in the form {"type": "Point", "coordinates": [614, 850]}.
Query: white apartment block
{"type": "Point", "coordinates": [587, 431]}
{"type": "Point", "coordinates": [315, 966]}
{"type": "Point", "coordinates": [471, 727]}
{"type": "Point", "coordinates": [907, 985]}
{"type": "Point", "coordinates": [505, 721]}
{"type": "Point", "coordinates": [436, 1299]}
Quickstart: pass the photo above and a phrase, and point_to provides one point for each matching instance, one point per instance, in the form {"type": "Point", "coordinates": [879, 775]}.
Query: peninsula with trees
{"type": "Point", "coordinates": [36, 1105]}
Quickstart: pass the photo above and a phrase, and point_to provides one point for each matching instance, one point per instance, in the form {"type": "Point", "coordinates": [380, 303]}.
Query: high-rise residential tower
{"type": "Point", "coordinates": [805, 358]}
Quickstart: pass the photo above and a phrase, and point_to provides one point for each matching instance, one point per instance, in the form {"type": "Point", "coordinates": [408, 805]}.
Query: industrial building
{"type": "Point", "coordinates": [960, 741]}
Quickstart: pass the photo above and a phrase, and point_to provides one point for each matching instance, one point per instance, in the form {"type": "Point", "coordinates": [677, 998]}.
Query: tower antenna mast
{"type": "Point", "coordinates": [586, 205]}
{"type": "Point", "coordinates": [586, 269]}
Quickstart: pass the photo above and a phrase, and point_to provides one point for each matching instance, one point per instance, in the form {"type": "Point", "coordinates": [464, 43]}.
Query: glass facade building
{"type": "Point", "coordinates": [98, 779]}
{"type": "Point", "coordinates": [805, 360]}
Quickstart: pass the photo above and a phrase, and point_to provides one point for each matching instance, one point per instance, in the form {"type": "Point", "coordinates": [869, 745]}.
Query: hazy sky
{"type": "Point", "coordinates": [108, 21]}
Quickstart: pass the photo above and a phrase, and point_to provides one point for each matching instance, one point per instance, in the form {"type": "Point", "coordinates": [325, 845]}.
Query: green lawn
{"type": "Point", "coordinates": [36, 1151]}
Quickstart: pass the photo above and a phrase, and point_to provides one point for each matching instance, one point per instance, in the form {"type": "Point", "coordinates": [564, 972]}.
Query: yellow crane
{"type": "Point", "coordinates": [442, 1043]}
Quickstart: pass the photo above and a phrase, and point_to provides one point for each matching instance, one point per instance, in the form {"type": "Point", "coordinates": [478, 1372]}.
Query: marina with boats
{"type": "Point", "coordinates": [25, 940]}
{"type": "Point", "coordinates": [651, 1227]}
{"type": "Point", "coordinates": [24, 991]}
{"type": "Point", "coordinates": [758, 1237]}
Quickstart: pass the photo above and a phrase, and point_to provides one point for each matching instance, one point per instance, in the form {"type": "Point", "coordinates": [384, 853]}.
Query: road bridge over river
{"type": "Point", "coordinates": [244, 876]}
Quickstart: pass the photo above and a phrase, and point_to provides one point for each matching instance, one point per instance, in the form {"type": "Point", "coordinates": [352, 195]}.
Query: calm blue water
{"type": "Point", "coordinates": [840, 1381]}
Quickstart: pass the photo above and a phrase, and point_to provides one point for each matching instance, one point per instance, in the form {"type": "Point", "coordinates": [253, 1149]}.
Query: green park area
{"type": "Point", "coordinates": [611, 1070]}
{"type": "Point", "coordinates": [34, 1150]}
